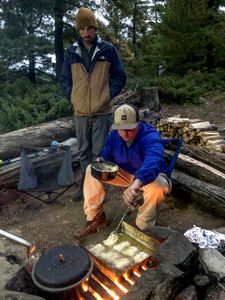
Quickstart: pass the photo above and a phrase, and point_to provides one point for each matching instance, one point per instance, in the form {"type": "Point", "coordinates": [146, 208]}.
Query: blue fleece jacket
{"type": "Point", "coordinates": [144, 158]}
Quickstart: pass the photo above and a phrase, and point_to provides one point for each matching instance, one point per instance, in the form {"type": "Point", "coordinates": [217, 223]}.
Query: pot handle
{"type": "Point", "coordinates": [15, 238]}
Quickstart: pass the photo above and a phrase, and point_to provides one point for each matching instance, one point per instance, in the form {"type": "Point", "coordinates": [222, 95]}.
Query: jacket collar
{"type": "Point", "coordinates": [79, 42]}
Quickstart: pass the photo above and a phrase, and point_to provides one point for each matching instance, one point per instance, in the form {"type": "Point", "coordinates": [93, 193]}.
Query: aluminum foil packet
{"type": "Point", "coordinates": [206, 238]}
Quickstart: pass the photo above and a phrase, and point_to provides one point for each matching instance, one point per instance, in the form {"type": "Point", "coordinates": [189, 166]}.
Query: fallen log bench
{"type": "Point", "coordinates": [198, 169]}
{"type": "Point", "coordinates": [209, 196]}
{"type": "Point", "coordinates": [41, 135]}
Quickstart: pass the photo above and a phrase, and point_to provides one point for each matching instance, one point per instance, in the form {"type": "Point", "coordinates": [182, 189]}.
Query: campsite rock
{"type": "Point", "coordinates": [178, 251]}
{"type": "Point", "coordinates": [215, 292]}
{"type": "Point", "coordinates": [162, 282]}
{"type": "Point", "coordinates": [7, 271]}
{"type": "Point", "coordinates": [201, 280]}
{"type": "Point", "coordinates": [10, 248]}
{"type": "Point", "coordinates": [213, 262]}
{"type": "Point", "coordinates": [160, 233]}
{"type": "Point", "coordinates": [8, 295]}
{"type": "Point", "coordinates": [188, 294]}
{"type": "Point", "coordinates": [22, 282]}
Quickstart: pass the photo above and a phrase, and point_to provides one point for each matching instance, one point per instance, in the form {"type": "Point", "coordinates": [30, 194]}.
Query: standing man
{"type": "Point", "coordinates": [92, 74]}
{"type": "Point", "coordinates": [137, 149]}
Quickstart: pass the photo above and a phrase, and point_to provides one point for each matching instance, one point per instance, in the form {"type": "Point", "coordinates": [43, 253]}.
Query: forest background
{"type": "Point", "coordinates": [177, 45]}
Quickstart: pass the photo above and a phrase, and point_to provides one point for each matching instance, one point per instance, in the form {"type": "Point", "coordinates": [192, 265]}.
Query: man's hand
{"type": "Point", "coordinates": [131, 192]}
{"type": "Point", "coordinates": [99, 159]}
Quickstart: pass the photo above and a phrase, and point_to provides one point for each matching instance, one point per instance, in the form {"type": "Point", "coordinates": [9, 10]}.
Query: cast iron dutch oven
{"type": "Point", "coordinates": [104, 170]}
{"type": "Point", "coordinates": [62, 268]}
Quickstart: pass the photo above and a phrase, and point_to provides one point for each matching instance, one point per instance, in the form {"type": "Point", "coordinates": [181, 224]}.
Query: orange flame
{"type": "Point", "coordinates": [121, 286]}
{"type": "Point", "coordinates": [110, 292]}
{"type": "Point", "coordinates": [137, 271]}
{"type": "Point", "coordinates": [31, 250]}
{"type": "Point", "coordinates": [127, 278]}
{"type": "Point", "coordinates": [95, 294]}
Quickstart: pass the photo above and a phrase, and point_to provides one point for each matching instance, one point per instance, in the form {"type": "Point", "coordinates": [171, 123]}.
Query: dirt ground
{"type": "Point", "coordinates": [49, 225]}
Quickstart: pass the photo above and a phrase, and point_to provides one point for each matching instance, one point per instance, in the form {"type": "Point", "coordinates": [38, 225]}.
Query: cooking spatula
{"type": "Point", "coordinates": [113, 236]}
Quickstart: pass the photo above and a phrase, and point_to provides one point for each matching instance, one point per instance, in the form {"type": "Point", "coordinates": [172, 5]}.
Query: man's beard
{"type": "Point", "coordinates": [88, 40]}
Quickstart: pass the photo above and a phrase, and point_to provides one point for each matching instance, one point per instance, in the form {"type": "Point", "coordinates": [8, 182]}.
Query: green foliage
{"type": "Point", "coordinates": [29, 24]}
{"type": "Point", "coordinates": [190, 36]}
{"type": "Point", "coordinates": [185, 90]}
{"type": "Point", "coordinates": [23, 104]}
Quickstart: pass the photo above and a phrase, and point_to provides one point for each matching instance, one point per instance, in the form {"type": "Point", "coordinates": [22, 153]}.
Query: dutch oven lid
{"type": "Point", "coordinates": [62, 267]}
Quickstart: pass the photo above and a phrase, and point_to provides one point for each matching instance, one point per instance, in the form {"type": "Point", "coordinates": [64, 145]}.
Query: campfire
{"type": "Point", "coordinates": [134, 267]}
{"type": "Point", "coordinates": [101, 285]}
{"type": "Point", "coordinates": [98, 268]}
{"type": "Point", "coordinates": [117, 265]}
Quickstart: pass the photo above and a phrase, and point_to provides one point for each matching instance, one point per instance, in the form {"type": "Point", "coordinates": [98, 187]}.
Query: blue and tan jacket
{"type": "Point", "coordinates": [90, 92]}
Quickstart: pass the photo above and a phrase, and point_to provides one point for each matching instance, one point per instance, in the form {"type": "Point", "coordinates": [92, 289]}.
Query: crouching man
{"type": "Point", "coordinates": [136, 148]}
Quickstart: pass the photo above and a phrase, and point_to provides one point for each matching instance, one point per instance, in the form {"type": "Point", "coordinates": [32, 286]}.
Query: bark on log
{"type": "Point", "coordinates": [198, 169]}
{"type": "Point", "coordinates": [213, 159]}
{"type": "Point", "coordinates": [45, 164]}
{"type": "Point", "coordinates": [35, 136]}
{"type": "Point", "coordinates": [208, 195]}
{"type": "Point", "coordinates": [150, 98]}
{"type": "Point", "coordinates": [129, 97]}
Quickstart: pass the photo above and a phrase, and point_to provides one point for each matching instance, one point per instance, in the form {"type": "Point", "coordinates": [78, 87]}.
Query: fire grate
{"type": "Point", "coordinates": [99, 286]}
{"type": "Point", "coordinates": [110, 281]}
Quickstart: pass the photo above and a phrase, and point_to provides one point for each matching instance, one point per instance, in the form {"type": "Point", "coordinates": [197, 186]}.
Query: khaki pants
{"type": "Point", "coordinates": [94, 193]}
{"type": "Point", "coordinates": [91, 133]}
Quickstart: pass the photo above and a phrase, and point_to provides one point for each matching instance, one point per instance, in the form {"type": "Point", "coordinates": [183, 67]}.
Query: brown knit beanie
{"type": "Point", "coordinates": [85, 17]}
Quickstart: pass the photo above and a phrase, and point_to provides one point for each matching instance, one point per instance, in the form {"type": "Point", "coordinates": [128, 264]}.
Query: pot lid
{"type": "Point", "coordinates": [62, 267]}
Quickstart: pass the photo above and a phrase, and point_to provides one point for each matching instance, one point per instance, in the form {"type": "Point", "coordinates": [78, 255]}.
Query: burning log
{"type": "Point", "coordinates": [35, 136]}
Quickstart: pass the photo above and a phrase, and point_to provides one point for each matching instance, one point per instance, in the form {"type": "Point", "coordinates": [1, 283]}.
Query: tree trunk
{"type": "Point", "coordinates": [150, 98]}
{"type": "Point", "coordinates": [31, 73]}
{"type": "Point", "coordinates": [40, 135]}
{"type": "Point", "coordinates": [208, 195]}
{"type": "Point", "coordinates": [59, 48]}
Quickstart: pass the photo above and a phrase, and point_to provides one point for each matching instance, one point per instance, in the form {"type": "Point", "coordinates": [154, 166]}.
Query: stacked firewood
{"type": "Point", "coordinates": [192, 131]}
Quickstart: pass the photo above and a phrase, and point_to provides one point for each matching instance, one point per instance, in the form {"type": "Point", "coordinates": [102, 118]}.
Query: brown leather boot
{"type": "Point", "coordinates": [93, 226]}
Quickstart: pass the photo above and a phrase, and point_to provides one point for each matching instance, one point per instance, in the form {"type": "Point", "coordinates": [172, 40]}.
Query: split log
{"type": "Point", "coordinates": [208, 195]}
{"type": "Point", "coordinates": [213, 159]}
{"type": "Point", "coordinates": [44, 164]}
{"type": "Point", "coordinates": [199, 169]}
{"type": "Point", "coordinates": [192, 131]}
{"type": "Point", "coordinates": [200, 125]}
{"type": "Point", "coordinates": [40, 135]}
